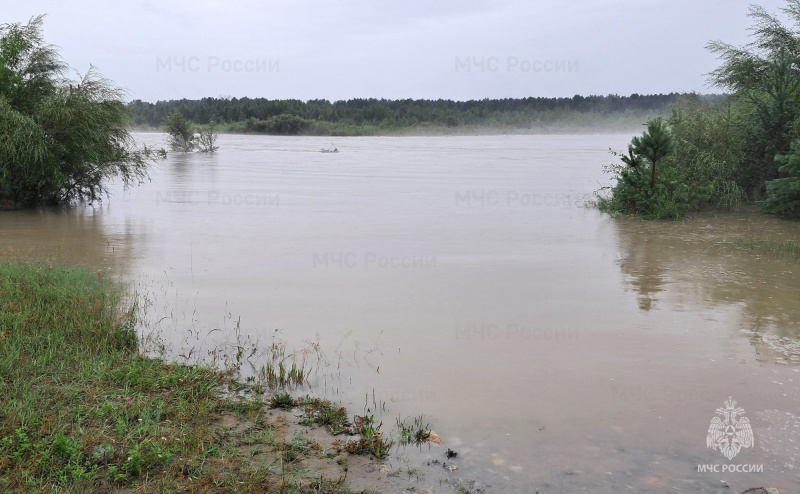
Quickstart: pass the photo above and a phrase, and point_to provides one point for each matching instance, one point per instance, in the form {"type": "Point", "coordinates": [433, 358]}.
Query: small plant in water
{"type": "Point", "coordinates": [278, 373]}
{"type": "Point", "coordinates": [417, 432]}
{"type": "Point", "coordinates": [371, 441]}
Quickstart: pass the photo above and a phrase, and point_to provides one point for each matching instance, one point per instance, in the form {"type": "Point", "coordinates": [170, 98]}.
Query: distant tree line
{"type": "Point", "coordinates": [292, 117]}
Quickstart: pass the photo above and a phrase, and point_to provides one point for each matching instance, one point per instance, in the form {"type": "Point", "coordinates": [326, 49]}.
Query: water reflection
{"type": "Point", "coordinates": [703, 263]}
{"type": "Point", "coordinates": [185, 170]}
{"type": "Point", "coordinates": [85, 235]}
{"type": "Point", "coordinates": [640, 262]}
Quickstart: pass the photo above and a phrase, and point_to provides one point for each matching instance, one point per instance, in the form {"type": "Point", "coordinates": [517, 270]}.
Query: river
{"type": "Point", "coordinates": [463, 278]}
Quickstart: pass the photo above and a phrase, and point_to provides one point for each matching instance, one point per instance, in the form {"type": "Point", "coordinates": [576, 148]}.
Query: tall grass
{"type": "Point", "coordinates": [708, 150]}
{"type": "Point", "coordinates": [783, 249]}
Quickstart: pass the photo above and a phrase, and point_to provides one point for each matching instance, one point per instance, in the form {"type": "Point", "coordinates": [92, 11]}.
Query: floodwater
{"type": "Point", "coordinates": [461, 278]}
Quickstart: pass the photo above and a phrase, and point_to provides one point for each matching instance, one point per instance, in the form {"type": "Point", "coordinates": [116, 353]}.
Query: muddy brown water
{"type": "Point", "coordinates": [461, 278]}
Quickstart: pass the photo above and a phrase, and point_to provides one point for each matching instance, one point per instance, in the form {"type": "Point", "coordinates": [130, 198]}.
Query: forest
{"type": "Point", "coordinates": [380, 116]}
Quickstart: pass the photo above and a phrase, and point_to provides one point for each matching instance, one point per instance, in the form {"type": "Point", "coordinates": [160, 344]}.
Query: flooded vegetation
{"type": "Point", "coordinates": [551, 347]}
{"type": "Point", "coordinates": [428, 311]}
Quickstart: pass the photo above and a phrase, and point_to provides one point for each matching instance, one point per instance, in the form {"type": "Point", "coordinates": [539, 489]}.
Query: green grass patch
{"type": "Point", "coordinates": [326, 414]}
{"type": "Point", "coordinates": [283, 401]}
{"type": "Point", "coordinates": [416, 432]}
{"type": "Point", "coordinates": [371, 440]}
{"type": "Point", "coordinates": [82, 411]}
{"type": "Point", "coordinates": [80, 407]}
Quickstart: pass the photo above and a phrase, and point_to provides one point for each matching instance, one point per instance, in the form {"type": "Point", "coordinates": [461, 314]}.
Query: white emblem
{"type": "Point", "coordinates": [729, 433]}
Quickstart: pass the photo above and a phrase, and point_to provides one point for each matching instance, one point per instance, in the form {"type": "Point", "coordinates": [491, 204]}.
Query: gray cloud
{"type": "Point", "coordinates": [419, 49]}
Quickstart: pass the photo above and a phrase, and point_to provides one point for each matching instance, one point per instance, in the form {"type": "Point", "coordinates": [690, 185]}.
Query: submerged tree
{"type": "Point", "coordinates": [183, 136]}
{"type": "Point", "coordinates": [207, 137]}
{"type": "Point", "coordinates": [180, 132]}
{"type": "Point", "coordinates": [60, 140]}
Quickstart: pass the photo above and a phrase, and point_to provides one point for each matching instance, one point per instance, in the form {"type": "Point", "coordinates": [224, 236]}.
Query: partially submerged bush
{"type": "Point", "coordinates": [61, 140]}
{"type": "Point", "coordinates": [669, 198]}
{"type": "Point", "coordinates": [180, 132]}
{"type": "Point", "coordinates": [646, 189]}
{"type": "Point", "coordinates": [708, 149]}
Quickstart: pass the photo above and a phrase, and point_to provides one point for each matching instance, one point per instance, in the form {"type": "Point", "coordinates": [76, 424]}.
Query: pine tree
{"type": "Point", "coordinates": [783, 194]}
{"type": "Point", "coordinates": [654, 144]}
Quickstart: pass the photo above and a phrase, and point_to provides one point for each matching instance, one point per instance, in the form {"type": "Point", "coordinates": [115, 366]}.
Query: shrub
{"type": "Point", "coordinates": [61, 140]}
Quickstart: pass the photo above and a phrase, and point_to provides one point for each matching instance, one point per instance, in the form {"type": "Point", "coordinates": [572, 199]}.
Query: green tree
{"type": "Point", "coordinates": [743, 146]}
{"type": "Point", "coordinates": [60, 140]}
{"type": "Point", "coordinates": [633, 160]}
{"type": "Point", "coordinates": [207, 137]}
{"type": "Point", "coordinates": [642, 191]}
{"type": "Point", "coordinates": [783, 194]}
{"type": "Point", "coordinates": [181, 133]}
{"type": "Point", "coordinates": [744, 67]}
{"type": "Point", "coordinates": [286, 124]}
{"type": "Point", "coordinates": [764, 77]}
{"type": "Point", "coordinates": [654, 144]}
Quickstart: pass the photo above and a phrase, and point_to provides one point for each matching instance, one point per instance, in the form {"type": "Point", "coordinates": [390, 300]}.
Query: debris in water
{"type": "Point", "coordinates": [434, 438]}
{"type": "Point", "coordinates": [450, 467]}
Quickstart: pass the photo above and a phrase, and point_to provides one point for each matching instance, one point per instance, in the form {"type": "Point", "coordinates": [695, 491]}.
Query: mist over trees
{"type": "Point", "coordinates": [321, 117]}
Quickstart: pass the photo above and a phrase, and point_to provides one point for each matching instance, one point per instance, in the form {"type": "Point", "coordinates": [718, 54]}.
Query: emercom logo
{"type": "Point", "coordinates": [730, 430]}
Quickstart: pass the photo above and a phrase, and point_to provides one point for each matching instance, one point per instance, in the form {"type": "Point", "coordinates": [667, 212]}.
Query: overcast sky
{"type": "Point", "coordinates": [452, 49]}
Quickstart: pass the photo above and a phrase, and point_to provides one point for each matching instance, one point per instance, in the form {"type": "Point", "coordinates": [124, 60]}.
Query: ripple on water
{"type": "Point", "coordinates": [781, 438]}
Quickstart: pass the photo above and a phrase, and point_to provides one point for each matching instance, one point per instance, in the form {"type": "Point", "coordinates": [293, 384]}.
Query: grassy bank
{"type": "Point", "coordinates": [82, 411]}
